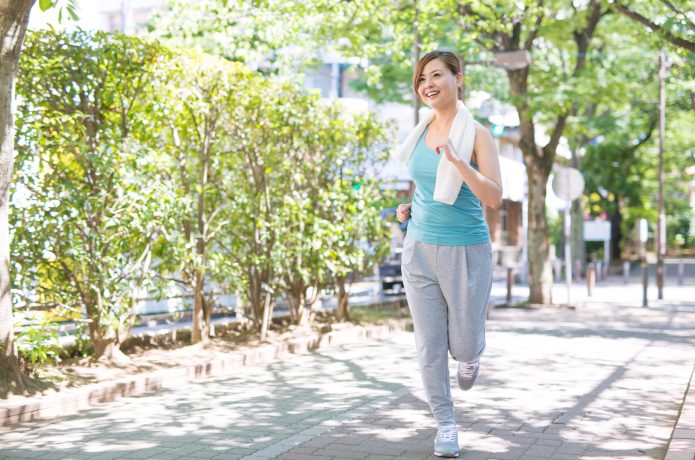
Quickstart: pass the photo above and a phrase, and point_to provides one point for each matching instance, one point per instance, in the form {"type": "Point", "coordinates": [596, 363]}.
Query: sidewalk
{"type": "Point", "coordinates": [600, 381]}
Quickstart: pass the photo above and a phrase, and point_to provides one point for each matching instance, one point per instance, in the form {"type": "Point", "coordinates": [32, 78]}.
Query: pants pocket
{"type": "Point", "coordinates": [407, 252]}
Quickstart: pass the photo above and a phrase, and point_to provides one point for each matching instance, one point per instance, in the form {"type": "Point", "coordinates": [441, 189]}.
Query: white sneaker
{"type": "Point", "coordinates": [446, 444]}
{"type": "Point", "coordinates": [467, 374]}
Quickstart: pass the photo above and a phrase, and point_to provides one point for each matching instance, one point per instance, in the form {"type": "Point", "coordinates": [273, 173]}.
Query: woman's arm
{"type": "Point", "coordinates": [486, 183]}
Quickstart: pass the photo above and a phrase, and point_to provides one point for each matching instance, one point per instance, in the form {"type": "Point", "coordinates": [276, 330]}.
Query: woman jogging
{"type": "Point", "coordinates": [447, 257]}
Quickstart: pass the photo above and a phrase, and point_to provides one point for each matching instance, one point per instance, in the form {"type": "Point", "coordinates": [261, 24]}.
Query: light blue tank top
{"type": "Point", "coordinates": [433, 222]}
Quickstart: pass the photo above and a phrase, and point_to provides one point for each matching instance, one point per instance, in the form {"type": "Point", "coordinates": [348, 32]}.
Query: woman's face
{"type": "Point", "coordinates": [437, 85]}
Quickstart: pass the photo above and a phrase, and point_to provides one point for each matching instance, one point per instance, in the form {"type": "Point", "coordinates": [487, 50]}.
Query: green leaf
{"type": "Point", "coordinates": [46, 4]}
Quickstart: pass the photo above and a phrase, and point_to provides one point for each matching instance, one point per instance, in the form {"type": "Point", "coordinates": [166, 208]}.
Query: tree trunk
{"type": "Point", "coordinates": [298, 301]}
{"type": "Point", "coordinates": [616, 232]}
{"type": "Point", "coordinates": [343, 297]}
{"type": "Point", "coordinates": [538, 166]}
{"type": "Point", "coordinates": [267, 316]}
{"type": "Point", "coordinates": [291, 306]}
{"type": "Point", "coordinates": [540, 271]}
{"type": "Point", "coordinates": [207, 309]}
{"type": "Point", "coordinates": [255, 294]}
{"type": "Point", "coordinates": [200, 329]}
{"type": "Point", "coordinates": [14, 17]}
{"type": "Point", "coordinates": [108, 349]}
{"type": "Point", "coordinates": [303, 313]}
{"type": "Point", "coordinates": [104, 346]}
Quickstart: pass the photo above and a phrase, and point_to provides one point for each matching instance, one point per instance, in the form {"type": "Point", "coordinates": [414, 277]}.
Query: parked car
{"type": "Point", "coordinates": [390, 273]}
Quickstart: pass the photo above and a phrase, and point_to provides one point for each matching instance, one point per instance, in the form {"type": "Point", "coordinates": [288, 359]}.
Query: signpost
{"type": "Point", "coordinates": [643, 237]}
{"type": "Point", "coordinates": [599, 230]}
{"type": "Point", "coordinates": [568, 184]}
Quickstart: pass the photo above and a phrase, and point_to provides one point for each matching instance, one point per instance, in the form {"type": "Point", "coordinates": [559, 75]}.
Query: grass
{"type": "Point", "coordinates": [377, 314]}
{"type": "Point", "coordinates": [147, 354]}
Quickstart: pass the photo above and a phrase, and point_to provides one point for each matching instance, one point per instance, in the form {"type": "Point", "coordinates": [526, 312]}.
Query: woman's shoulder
{"type": "Point", "coordinates": [480, 128]}
{"type": "Point", "coordinates": [482, 134]}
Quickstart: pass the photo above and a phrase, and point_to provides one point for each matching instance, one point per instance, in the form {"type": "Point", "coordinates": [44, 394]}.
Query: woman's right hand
{"type": "Point", "coordinates": [403, 212]}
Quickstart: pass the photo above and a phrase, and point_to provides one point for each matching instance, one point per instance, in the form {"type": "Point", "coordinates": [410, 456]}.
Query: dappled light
{"type": "Point", "coordinates": [582, 385]}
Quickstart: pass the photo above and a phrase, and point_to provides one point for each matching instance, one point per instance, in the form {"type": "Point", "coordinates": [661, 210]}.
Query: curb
{"type": "Point", "coordinates": [682, 445]}
{"type": "Point", "coordinates": [69, 402]}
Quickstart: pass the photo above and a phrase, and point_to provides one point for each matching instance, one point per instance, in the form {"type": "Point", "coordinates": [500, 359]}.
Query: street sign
{"type": "Point", "coordinates": [568, 183]}
{"type": "Point", "coordinates": [643, 231]}
{"type": "Point", "coordinates": [597, 230]}
{"type": "Point", "coordinates": [512, 60]}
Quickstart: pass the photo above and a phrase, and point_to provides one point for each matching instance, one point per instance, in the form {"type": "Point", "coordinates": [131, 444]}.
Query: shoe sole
{"type": "Point", "coordinates": [466, 387]}
{"type": "Point", "coordinates": [446, 454]}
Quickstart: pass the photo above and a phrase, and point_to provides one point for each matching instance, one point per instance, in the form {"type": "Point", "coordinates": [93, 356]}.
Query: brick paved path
{"type": "Point", "coordinates": [598, 382]}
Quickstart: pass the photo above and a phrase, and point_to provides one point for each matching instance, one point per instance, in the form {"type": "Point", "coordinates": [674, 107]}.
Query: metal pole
{"type": "Point", "coordinates": [626, 271]}
{"type": "Point", "coordinates": [645, 267]}
{"type": "Point", "coordinates": [643, 232]}
{"type": "Point", "coordinates": [568, 250]}
{"type": "Point", "coordinates": [661, 227]}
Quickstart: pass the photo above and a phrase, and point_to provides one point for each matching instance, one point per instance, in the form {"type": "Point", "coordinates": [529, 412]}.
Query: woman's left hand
{"type": "Point", "coordinates": [448, 151]}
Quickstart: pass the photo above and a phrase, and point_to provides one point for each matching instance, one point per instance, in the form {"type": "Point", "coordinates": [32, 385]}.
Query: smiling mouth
{"type": "Point", "coordinates": [431, 94]}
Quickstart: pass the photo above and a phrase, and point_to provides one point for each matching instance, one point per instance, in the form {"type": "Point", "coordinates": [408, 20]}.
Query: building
{"type": "Point", "coordinates": [126, 16]}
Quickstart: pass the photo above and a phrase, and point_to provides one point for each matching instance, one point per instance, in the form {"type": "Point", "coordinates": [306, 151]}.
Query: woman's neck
{"type": "Point", "coordinates": [444, 117]}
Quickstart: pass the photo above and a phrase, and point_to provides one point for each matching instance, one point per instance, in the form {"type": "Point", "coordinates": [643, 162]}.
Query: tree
{"type": "Point", "coordinates": [293, 155]}
{"type": "Point", "coordinates": [542, 93]}
{"type": "Point", "coordinates": [525, 28]}
{"type": "Point", "coordinates": [82, 138]}
{"type": "Point", "coordinates": [612, 133]}
{"type": "Point", "coordinates": [13, 26]}
{"type": "Point", "coordinates": [198, 135]}
{"type": "Point", "coordinates": [335, 226]}
{"type": "Point", "coordinates": [358, 236]}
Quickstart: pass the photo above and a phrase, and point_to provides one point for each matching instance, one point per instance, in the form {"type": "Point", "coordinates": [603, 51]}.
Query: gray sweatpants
{"type": "Point", "coordinates": [447, 288]}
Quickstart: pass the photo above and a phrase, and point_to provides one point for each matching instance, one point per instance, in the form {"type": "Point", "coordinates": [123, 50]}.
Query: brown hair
{"type": "Point", "coordinates": [450, 60]}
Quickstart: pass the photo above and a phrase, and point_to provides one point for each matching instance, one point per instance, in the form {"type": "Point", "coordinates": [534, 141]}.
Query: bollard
{"type": "Point", "coordinates": [681, 271]}
{"type": "Point", "coordinates": [578, 271]}
{"type": "Point", "coordinates": [590, 278]}
{"type": "Point", "coordinates": [510, 283]}
{"type": "Point", "coordinates": [645, 281]}
{"type": "Point", "coordinates": [626, 271]}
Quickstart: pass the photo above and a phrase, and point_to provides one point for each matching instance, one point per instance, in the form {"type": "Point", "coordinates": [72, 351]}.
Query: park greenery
{"type": "Point", "coordinates": [192, 163]}
{"type": "Point", "coordinates": [591, 61]}
{"type": "Point", "coordinates": [142, 168]}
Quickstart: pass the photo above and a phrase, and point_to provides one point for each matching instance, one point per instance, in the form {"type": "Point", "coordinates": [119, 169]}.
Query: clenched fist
{"type": "Point", "coordinates": [403, 212]}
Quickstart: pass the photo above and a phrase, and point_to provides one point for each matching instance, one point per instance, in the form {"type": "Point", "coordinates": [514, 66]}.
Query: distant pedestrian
{"type": "Point", "coordinates": [447, 256]}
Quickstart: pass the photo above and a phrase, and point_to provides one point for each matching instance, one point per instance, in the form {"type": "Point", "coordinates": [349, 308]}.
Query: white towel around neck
{"type": "Point", "coordinates": [448, 181]}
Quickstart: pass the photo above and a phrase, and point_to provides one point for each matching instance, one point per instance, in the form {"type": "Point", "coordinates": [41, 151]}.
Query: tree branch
{"type": "Point", "coordinates": [528, 44]}
{"type": "Point", "coordinates": [552, 144]}
{"type": "Point", "coordinates": [673, 8]}
{"type": "Point", "coordinates": [666, 34]}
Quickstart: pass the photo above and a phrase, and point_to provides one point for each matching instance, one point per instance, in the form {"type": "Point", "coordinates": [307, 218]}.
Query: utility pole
{"type": "Point", "coordinates": [416, 58]}
{"type": "Point", "coordinates": [661, 227]}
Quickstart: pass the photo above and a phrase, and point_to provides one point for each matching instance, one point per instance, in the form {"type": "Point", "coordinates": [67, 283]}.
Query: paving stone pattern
{"type": "Point", "coordinates": [599, 382]}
